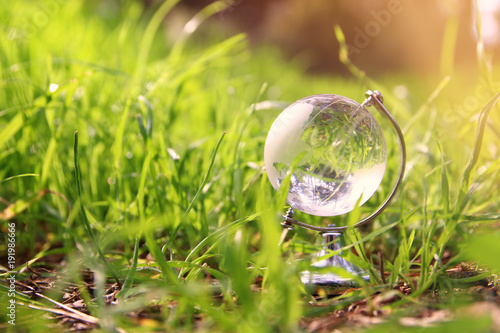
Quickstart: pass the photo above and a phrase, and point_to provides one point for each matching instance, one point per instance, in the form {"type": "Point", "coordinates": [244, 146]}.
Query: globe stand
{"type": "Point", "coordinates": [332, 242]}
{"type": "Point", "coordinates": [333, 235]}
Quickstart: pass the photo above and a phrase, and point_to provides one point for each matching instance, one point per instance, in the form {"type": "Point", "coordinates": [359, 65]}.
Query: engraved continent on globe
{"type": "Point", "coordinates": [332, 148]}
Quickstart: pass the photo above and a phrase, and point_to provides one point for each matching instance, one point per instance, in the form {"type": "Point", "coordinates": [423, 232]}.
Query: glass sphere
{"type": "Point", "coordinates": [334, 150]}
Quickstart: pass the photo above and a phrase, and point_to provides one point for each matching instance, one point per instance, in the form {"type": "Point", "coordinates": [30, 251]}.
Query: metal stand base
{"type": "Point", "coordinates": [329, 244]}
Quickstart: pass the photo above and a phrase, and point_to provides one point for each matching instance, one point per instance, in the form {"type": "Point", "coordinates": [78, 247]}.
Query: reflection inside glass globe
{"type": "Point", "coordinates": [332, 148]}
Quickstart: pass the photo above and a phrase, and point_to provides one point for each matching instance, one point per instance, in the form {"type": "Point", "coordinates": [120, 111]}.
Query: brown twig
{"type": "Point", "coordinates": [75, 315]}
{"type": "Point", "coordinates": [81, 316]}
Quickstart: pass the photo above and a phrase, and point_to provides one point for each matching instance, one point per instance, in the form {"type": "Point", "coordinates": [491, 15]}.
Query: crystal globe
{"type": "Point", "coordinates": [332, 148]}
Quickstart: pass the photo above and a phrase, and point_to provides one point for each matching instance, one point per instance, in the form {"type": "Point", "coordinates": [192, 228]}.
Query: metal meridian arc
{"type": "Point", "coordinates": [374, 98]}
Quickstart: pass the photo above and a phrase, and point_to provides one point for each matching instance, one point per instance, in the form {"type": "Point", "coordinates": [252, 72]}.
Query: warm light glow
{"type": "Point", "coordinates": [490, 25]}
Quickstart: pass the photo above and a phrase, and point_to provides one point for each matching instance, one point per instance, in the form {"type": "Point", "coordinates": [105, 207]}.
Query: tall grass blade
{"type": "Point", "coordinates": [129, 280]}
{"type": "Point", "coordinates": [142, 128]}
{"type": "Point", "coordinates": [200, 189]}
{"type": "Point", "coordinates": [449, 44]}
{"type": "Point", "coordinates": [150, 33]}
{"type": "Point", "coordinates": [193, 24]}
{"type": "Point", "coordinates": [471, 165]}
{"type": "Point", "coordinates": [344, 53]}
{"type": "Point", "coordinates": [149, 120]}
{"type": "Point", "coordinates": [445, 187]}
{"type": "Point", "coordinates": [422, 110]}
{"type": "Point", "coordinates": [466, 189]}
{"type": "Point", "coordinates": [120, 133]}
{"type": "Point", "coordinates": [219, 234]}
{"type": "Point", "coordinates": [84, 214]}
{"type": "Point", "coordinates": [11, 129]}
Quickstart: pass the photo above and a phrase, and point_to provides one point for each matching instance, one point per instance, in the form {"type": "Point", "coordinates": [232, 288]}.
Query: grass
{"type": "Point", "coordinates": [130, 159]}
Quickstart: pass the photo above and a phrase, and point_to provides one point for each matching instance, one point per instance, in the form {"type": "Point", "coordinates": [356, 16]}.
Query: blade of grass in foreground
{"type": "Point", "coordinates": [423, 109]}
{"type": "Point", "coordinates": [212, 161]}
{"type": "Point", "coordinates": [200, 189]}
{"type": "Point", "coordinates": [471, 165]}
{"type": "Point", "coordinates": [464, 197]}
{"type": "Point", "coordinates": [84, 214]}
{"type": "Point", "coordinates": [131, 273]}
{"type": "Point", "coordinates": [154, 249]}
{"type": "Point", "coordinates": [445, 187]}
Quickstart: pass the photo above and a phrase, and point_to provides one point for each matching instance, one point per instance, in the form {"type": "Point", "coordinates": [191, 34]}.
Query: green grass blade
{"type": "Point", "coordinates": [205, 179]}
{"type": "Point", "coordinates": [48, 160]}
{"type": "Point", "coordinates": [193, 24]}
{"type": "Point", "coordinates": [142, 128]}
{"type": "Point", "coordinates": [19, 176]}
{"type": "Point", "coordinates": [219, 234]}
{"type": "Point", "coordinates": [120, 133]}
{"type": "Point", "coordinates": [448, 48]}
{"type": "Point", "coordinates": [167, 271]}
{"type": "Point", "coordinates": [471, 165]}
{"type": "Point", "coordinates": [445, 187]}
{"type": "Point", "coordinates": [149, 34]}
{"type": "Point", "coordinates": [84, 213]}
{"type": "Point", "coordinates": [466, 189]}
{"type": "Point", "coordinates": [423, 109]}
{"type": "Point", "coordinates": [11, 129]}
{"type": "Point", "coordinates": [129, 280]}
{"type": "Point", "coordinates": [344, 53]}
{"type": "Point", "coordinates": [148, 130]}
